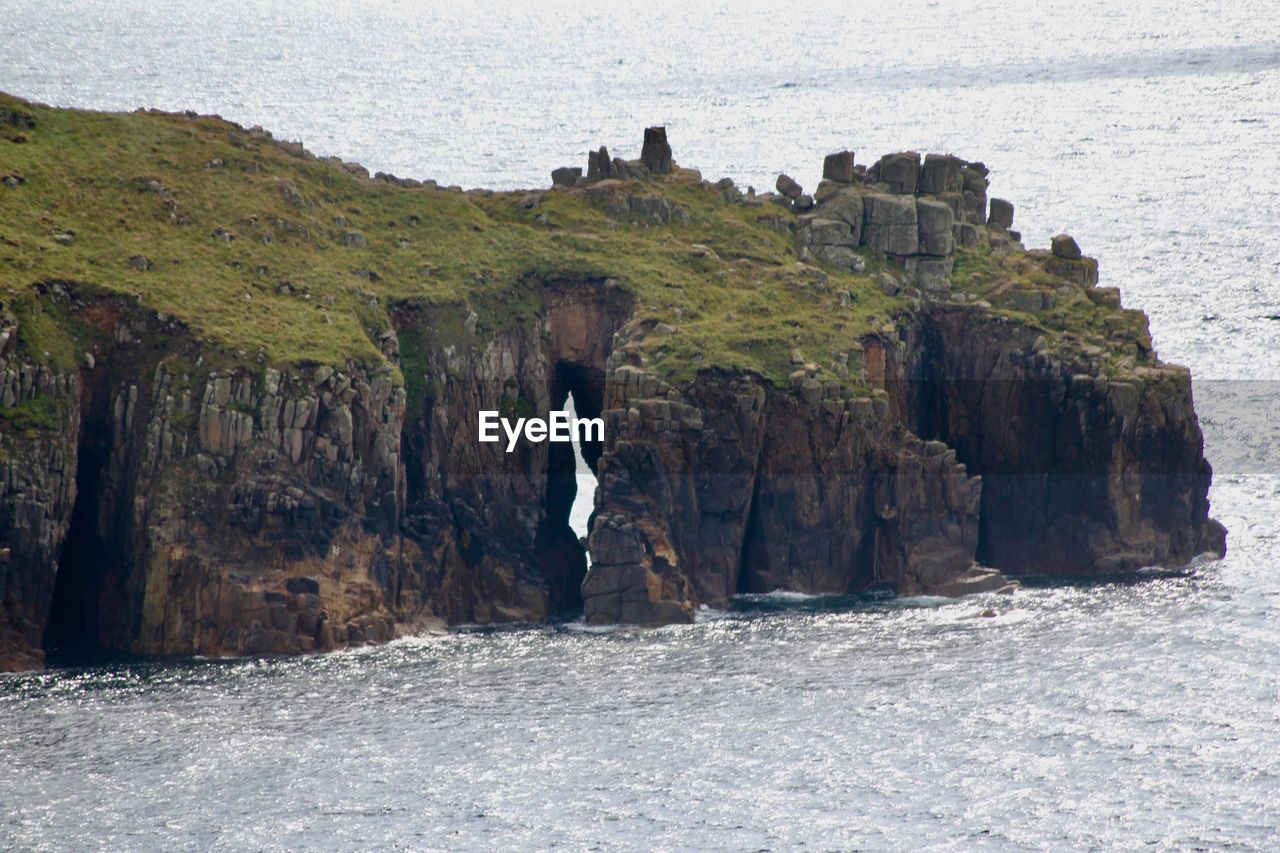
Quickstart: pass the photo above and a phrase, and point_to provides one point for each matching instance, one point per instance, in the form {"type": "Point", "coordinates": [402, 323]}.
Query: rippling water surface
{"type": "Point", "coordinates": [1089, 715]}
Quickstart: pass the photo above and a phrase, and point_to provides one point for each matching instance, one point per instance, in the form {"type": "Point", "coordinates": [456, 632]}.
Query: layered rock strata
{"type": "Point", "coordinates": [165, 497]}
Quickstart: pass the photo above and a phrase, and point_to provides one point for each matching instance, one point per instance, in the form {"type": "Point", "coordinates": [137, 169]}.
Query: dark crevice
{"type": "Point", "coordinates": [563, 556]}
{"type": "Point", "coordinates": [75, 629]}
{"type": "Point", "coordinates": [743, 583]}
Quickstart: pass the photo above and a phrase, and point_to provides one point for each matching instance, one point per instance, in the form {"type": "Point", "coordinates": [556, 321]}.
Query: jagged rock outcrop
{"type": "Point", "coordinates": [1081, 472]}
{"type": "Point", "coordinates": [162, 495]}
{"type": "Point", "coordinates": [838, 167]}
{"type": "Point", "coordinates": [728, 486]}
{"type": "Point", "coordinates": [37, 493]}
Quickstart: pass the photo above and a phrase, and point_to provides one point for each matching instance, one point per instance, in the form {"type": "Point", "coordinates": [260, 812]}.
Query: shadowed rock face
{"type": "Point", "coordinates": [174, 501]}
{"type": "Point", "coordinates": [283, 513]}
{"type": "Point", "coordinates": [1081, 474]}
{"type": "Point", "coordinates": [227, 512]}
{"type": "Point", "coordinates": [730, 487]}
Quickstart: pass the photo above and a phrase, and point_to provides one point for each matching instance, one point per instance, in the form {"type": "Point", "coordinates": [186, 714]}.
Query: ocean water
{"type": "Point", "coordinates": [1112, 713]}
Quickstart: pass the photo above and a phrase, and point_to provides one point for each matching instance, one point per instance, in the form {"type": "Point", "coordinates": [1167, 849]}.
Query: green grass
{"type": "Point", "coordinates": [31, 416]}
{"type": "Point", "coordinates": [290, 290]}
{"type": "Point", "coordinates": [1076, 321]}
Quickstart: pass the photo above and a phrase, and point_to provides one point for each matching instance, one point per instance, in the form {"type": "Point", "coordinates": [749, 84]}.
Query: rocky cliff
{"type": "Point", "coordinates": [240, 386]}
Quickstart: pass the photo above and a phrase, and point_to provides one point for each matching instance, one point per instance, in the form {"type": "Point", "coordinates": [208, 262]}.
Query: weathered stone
{"type": "Point", "coordinates": [1065, 246]}
{"type": "Point", "coordinates": [599, 165]}
{"type": "Point", "coordinates": [354, 239]}
{"type": "Point", "coordinates": [930, 274]}
{"type": "Point", "coordinates": [565, 176]}
{"type": "Point", "coordinates": [941, 173]}
{"type": "Point", "coordinates": [827, 232]}
{"type": "Point", "coordinates": [889, 224]}
{"type": "Point", "coordinates": [1001, 214]}
{"type": "Point", "coordinates": [656, 153]}
{"type": "Point", "coordinates": [934, 220]}
{"type": "Point", "coordinates": [900, 172]}
{"type": "Point", "coordinates": [788, 187]}
{"type": "Point", "coordinates": [1081, 271]}
{"type": "Point", "coordinates": [847, 207]}
{"type": "Point", "coordinates": [1025, 300]}
{"type": "Point", "coordinates": [838, 167]}
{"type": "Point", "coordinates": [841, 257]}
{"type": "Point", "coordinates": [964, 234]}
{"type": "Point", "coordinates": [645, 209]}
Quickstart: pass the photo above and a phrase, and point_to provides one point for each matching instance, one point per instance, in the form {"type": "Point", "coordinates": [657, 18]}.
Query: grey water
{"type": "Point", "coordinates": [1121, 712]}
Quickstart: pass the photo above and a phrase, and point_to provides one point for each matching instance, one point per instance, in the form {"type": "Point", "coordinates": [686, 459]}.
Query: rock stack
{"type": "Point", "coordinates": [793, 195]}
{"type": "Point", "coordinates": [1066, 260]}
{"type": "Point", "coordinates": [913, 211]}
{"type": "Point", "coordinates": [656, 153]}
{"type": "Point", "coordinates": [655, 159]}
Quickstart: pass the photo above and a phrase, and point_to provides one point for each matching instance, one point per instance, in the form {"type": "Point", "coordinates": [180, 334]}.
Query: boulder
{"type": "Point", "coordinates": [1065, 246]}
{"type": "Point", "coordinates": [728, 191]}
{"type": "Point", "coordinates": [565, 176]}
{"type": "Point", "coordinates": [656, 153]}
{"type": "Point", "coordinates": [838, 167]}
{"type": "Point", "coordinates": [901, 172]}
{"type": "Point", "coordinates": [841, 257]}
{"type": "Point", "coordinates": [964, 234]}
{"type": "Point", "coordinates": [828, 232]}
{"type": "Point", "coordinates": [889, 224]}
{"type": "Point", "coordinates": [974, 194]}
{"type": "Point", "coordinates": [599, 165]}
{"type": "Point", "coordinates": [804, 201]}
{"type": "Point", "coordinates": [624, 169]}
{"type": "Point", "coordinates": [788, 187]}
{"type": "Point", "coordinates": [831, 241]}
{"type": "Point", "coordinates": [941, 173]}
{"type": "Point", "coordinates": [1001, 214]}
{"type": "Point", "coordinates": [846, 206]}
{"type": "Point", "coordinates": [1080, 271]}
{"type": "Point", "coordinates": [931, 274]}
{"type": "Point", "coordinates": [934, 220]}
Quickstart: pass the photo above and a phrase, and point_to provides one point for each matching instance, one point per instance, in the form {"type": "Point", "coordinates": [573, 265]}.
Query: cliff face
{"type": "Point", "coordinates": [733, 487]}
{"type": "Point", "coordinates": [1082, 471]}
{"type": "Point", "coordinates": [37, 493]}
{"type": "Point", "coordinates": [205, 511]}
{"type": "Point", "coordinates": [178, 509]}
{"type": "Point", "coordinates": [262, 437]}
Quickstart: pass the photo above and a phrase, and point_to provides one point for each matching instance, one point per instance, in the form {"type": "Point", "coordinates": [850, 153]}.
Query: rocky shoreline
{"type": "Point", "coordinates": [161, 497]}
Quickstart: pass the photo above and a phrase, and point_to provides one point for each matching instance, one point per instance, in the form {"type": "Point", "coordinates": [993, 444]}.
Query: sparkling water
{"type": "Point", "coordinates": [1090, 715]}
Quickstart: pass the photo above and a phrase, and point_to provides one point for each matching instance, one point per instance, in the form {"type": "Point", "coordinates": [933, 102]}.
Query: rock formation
{"type": "Point", "coordinates": [173, 484]}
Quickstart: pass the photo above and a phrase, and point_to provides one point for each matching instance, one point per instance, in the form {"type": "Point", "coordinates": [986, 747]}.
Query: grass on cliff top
{"type": "Point", "coordinates": [1079, 320]}
{"type": "Point", "coordinates": [263, 250]}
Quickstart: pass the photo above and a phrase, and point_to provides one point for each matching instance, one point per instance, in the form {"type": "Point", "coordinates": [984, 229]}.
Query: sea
{"type": "Point", "coordinates": [1109, 713]}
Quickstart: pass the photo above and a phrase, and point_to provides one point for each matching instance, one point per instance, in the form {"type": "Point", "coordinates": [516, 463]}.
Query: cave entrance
{"type": "Point", "coordinates": [74, 631]}
{"type": "Point", "coordinates": [571, 485]}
